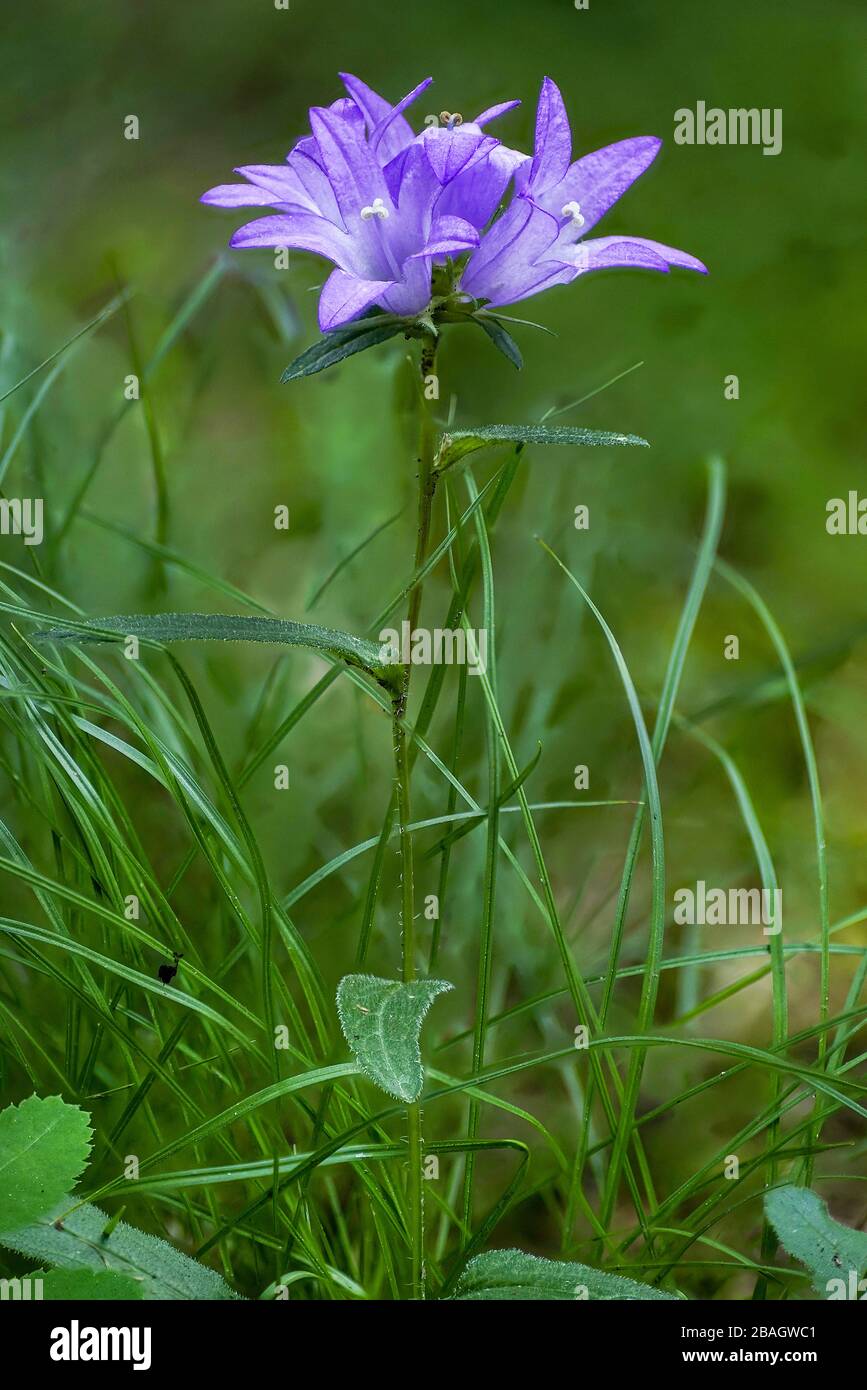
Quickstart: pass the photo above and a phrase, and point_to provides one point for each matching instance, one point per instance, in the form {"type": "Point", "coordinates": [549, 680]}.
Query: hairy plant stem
{"type": "Point", "coordinates": [426, 489]}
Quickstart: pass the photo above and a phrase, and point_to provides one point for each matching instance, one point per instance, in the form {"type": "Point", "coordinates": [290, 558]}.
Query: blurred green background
{"type": "Point", "coordinates": [784, 308]}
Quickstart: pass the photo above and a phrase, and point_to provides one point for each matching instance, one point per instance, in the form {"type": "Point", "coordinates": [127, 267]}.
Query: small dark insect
{"type": "Point", "coordinates": [837, 1261]}
{"type": "Point", "coordinates": [168, 972]}
{"type": "Point", "coordinates": [58, 1226]}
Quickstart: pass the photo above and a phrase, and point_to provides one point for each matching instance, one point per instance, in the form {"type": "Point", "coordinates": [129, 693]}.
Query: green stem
{"type": "Point", "coordinates": [415, 1142]}
{"type": "Point", "coordinates": [483, 987]}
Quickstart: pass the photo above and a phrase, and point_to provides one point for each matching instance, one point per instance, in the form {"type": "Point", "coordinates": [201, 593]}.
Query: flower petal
{"type": "Point", "coordinates": [493, 112]}
{"type": "Point", "coordinates": [379, 136]}
{"type": "Point", "coordinates": [344, 297]}
{"type": "Point", "coordinates": [449, 236]}
{"type": "Point", "coordinates": [305, 162]}
{"type": "Point", "coordinates": [507, 259]}
{"type": "Point", "coordinates": [238, 195]}
{"type": "Point", "coordinates": [524, 232]}
{"type": "Point", "coordinates": [532, 280]}
{"type": "Point", "coordinates": [477, 191]}
{"type": "Point", "coordinates": [411, 293]}
{"type": "Point", "coordinates": [609, 252]}
{"type": "Point", "coordinates": [415, 190]}
{"type": "Point", "coordinates": [376, 110]}
{"type": "Point", "coordinates": [450, 150]}
{"type": "Point", "coordinates": [374, 107]}
{"type": "Point", "coordinates": [281, 181]}
{"type": "Point", "coordinates": [302, 230]}
{"type": "Point", "coordinates": [347, 110]}
{"type": "Point", "coordinates": [354, 174]}
{"type": "Point", "coordinates": [553, 147]}
{"type": "Point", "coordinates": [597, 180]}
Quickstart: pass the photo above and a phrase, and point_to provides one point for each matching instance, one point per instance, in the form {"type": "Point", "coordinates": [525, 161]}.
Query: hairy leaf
{"type": "Point", "coordinates": [103, 1284]}
{"type": "Point", "coordinates": [44, 1144]}
{"type": "Point", "coordinates": [79, 1243]}
{"type": "Point", "coordinates": [806, 1231]}
{"type": "Point", "coordinates": [225, 627]}
{"type": "Point", "coordinates": [459, 443]}
{"type": "Point", "coordinates": [512, 1274]}
{"type": "Point", "coordinates": [381, 1020]}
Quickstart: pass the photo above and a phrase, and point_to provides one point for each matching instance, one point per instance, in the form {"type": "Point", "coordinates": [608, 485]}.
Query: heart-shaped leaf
{"type": "Point", "coordinates": [381, 1021]}
{"type": "Point", "coordinates": [829, 1250]}
{"type": "Point", "coordinates": [226, 627]}
{"type": "Point", "coordinates": [459, 443]}
{"type": "Point", "coordinates": [512, 1274]}
{"type": "Point", "coordinates": [44, 1145]}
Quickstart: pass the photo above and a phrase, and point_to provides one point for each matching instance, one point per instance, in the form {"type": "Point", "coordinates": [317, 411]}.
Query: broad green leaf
{"type": "Point", "coordinates": [79, 1243]}
{"type": "Point", "coordinates": [512, 1274]}
{"type": "Point", "coordinates": [381, 1021]}
{"type": "Point", "coordinates": [225, 627]}
{"type": "Point", "coordinates": [103, 1284]}
{"type": "Point", "coordinates": [344, 342]}
{"type": "Point", "coordinates": [44, 1145]}
{"type": "Point", "coordinates": [459, 443]}
{"type": "Point", "coordinates": [806, 1231]}
{"type": "Point", "coordinates": [501, 338]}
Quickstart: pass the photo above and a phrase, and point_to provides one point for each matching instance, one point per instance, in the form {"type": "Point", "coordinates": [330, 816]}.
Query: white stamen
{"type": "Point", "coordinates": [573, 211]}
{"type": "Point", "coordinates": [375, 209]}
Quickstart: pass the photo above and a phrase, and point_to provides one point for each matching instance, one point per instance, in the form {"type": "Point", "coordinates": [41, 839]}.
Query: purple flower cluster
{"type": "Point", "coordinates": [390, 208]}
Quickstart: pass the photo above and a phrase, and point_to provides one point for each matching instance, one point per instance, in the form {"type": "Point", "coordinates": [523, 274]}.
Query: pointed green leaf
{"type": "Point", "coordinates": [806, 1231]}
{"type": "Point", "coordinates": [225, 627]}
{"type": "Point", "coordinates": [103, 1284]}
{"type": "Point", "coordinates": [44, 1144]}
{"type": "Point", "coordinates": [512, 1274]}
{"type": "Point", "coordinates": [459, 443]}
{"type": "Point", "coordinates": [80, 1243]}
{"type": "Point", "coordinates": [381, 1021]}
{"type": "Point", "coordinates": [502, 339]}
{"type": "Point", "coordinates": [344, 342]}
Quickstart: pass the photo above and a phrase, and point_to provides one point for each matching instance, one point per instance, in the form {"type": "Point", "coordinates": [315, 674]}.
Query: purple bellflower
{"type": "Point", "coordinates": [419, 225]}
{"type": "Point", "coordinates": [538, 241]}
